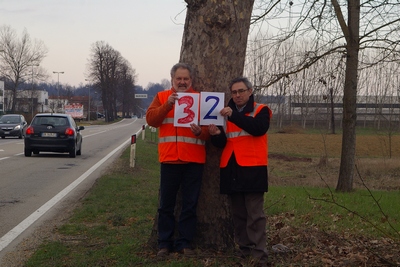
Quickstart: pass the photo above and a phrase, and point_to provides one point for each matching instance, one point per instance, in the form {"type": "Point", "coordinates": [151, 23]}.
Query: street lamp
{"type": "Point", "coordinates": [34, 65]}
{"type": "Point", "coordinates": [58, 86]}
{"type": "Point", "coordinates": [89, 102]}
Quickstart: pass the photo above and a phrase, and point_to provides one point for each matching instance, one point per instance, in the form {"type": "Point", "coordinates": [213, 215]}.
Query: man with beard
{"type": "Point", "coordinates": [182, 156]}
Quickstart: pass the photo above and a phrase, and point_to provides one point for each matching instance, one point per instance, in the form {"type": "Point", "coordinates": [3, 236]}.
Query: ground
{"type": "Point", "coordinates": [315, 164]}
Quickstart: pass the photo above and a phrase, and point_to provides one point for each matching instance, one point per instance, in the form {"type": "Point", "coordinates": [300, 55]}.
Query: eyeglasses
{"type": "Point", "coordinates": [240, 92]}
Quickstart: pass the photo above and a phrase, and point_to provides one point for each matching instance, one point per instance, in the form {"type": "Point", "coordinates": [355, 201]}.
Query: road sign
{"type": "Point", "coordinates": [140, 95]}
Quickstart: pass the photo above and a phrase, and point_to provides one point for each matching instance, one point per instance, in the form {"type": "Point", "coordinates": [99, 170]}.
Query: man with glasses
{"type": "Point", "coordinates": [243, 167]}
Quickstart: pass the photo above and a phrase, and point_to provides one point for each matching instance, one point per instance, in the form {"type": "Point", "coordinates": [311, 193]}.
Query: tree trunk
{"type": "Point", "coordinates": [346, 173]}
{"type": "Point", "coordinates": [214, 43]}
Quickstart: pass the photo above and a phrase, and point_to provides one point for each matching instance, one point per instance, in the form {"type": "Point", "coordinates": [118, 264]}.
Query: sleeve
{"type": "Point", "coordinates": [157, 112]}
{"type": "Point", "coordinates": [219, 140]}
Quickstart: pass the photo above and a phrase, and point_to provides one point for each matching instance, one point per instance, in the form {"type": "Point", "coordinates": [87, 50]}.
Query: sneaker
{"type": "Point", "coordinates": [162, 253]}
{"type": "Point", "coordinates": [187, 252]}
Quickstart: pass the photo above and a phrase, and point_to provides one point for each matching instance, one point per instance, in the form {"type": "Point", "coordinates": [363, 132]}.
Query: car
{"type": "Point", "coordinates": [100, 115]}
{"type": "Point", "coordinates": [13, 125]}
{"type": "Point", "coordinates": [53, 132]}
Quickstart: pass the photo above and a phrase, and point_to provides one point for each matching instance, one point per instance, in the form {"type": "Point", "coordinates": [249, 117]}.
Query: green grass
{"type": "Point", "coordinates": [115, 220]}
{"type": "Point", "coordinates": [377, 214]}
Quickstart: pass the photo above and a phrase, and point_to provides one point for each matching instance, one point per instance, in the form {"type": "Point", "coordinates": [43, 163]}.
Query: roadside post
{"type": "Point", "coordinates": [153, 130]}
{"type": "Point", "coordinates": [143, 131]}
{"type": "Point", "coordinates": [133, 150]}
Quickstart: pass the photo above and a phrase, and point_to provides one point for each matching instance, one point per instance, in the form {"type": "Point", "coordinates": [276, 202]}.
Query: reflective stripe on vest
{"type": "Point", "coordinates": [183, 139]}
{"type": "Point", "coordinates": [168, 120]}
{"type": "Point", "coordinates": [243, 132]}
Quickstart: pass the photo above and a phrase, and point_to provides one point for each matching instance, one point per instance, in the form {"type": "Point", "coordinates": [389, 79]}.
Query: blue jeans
{"type": "Point", "coordinates": [188, 178]}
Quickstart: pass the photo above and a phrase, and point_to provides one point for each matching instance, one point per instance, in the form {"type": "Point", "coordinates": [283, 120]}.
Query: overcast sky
{"type": "Point", "coordinates": [147, 33]}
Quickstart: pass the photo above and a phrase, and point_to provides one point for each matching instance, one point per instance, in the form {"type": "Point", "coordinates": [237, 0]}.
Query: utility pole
{"type": "Point", "coordinates": [34, 65]}
{"type": "Point", "coordinates": [58, 87]}
{"type": "Point", "coordinates": [89, 102]}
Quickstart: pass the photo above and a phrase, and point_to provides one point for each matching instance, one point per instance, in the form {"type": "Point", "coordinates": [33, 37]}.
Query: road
{"type": "Point", "coordinates": [33, 188]}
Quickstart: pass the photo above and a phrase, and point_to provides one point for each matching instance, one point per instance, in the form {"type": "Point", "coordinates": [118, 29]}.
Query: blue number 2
{"type": "Point", "coordinates": [207, 116]}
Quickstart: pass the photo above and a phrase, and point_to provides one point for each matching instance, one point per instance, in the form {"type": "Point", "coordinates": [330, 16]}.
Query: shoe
{"type": "Point", "coordinates": [162, 253]}
{"type": "Point", "coordinates": [241, 253]}
{"type": "Point", "coordinates": [187, 252]}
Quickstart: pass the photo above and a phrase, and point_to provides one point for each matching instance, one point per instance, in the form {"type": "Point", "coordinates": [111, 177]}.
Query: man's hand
{"type": "Point", "coordinates": [226, 112]}
{"type": "Point", "coordinates": [213, 129]}
{"type": "Point", "coordinates": [196, 129]}
{"type": "Point", "coordinates": [172, 98]}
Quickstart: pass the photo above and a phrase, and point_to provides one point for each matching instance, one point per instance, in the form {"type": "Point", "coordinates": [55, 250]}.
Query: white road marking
{"type": "Point", "coordinates": [25, 224]}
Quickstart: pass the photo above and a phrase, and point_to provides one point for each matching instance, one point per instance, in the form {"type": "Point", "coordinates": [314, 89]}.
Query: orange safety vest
{"type": "Point", "coordinates": [249, 150]}
{"type": "Point", "coordinates": [178, 143]}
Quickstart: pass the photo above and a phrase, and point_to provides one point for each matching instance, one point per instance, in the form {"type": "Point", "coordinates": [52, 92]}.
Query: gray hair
{"type": "Point", "coordinates": [243, 80]}
{"type": "Point", "coordinates": [183, 66]}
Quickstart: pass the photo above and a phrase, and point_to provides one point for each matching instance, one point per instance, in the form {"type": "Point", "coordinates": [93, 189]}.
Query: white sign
{"type": "Point", "coordinates": [186, 109]}
{"type": "Point", "coordinates": [211, 104]}
{"type": "Point", "coordinates": [140, 95]}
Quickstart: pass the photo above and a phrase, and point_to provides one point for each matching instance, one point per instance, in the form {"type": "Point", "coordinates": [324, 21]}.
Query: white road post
{"type": "Point", "coordinates": [133, 151]}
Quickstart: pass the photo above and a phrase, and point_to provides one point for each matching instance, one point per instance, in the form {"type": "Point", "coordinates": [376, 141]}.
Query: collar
{"type": "Point", "coordinates": [249, 107]}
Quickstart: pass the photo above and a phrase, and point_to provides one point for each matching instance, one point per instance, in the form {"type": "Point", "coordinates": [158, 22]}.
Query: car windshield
{"type": "Point", "coordinates": [51, 120]}
{"type": "Point", "coordinates": [9, 119]}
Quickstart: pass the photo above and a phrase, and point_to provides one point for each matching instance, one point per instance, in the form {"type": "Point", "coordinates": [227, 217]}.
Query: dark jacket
{"type": "Point", "coordinates": [235, 178]}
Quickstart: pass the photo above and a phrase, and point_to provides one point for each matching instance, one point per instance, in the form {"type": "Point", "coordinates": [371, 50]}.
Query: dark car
{"type": "Point", "coordinates": [12, 125]}
{"type": "Point", "coordinates": [53, 132]}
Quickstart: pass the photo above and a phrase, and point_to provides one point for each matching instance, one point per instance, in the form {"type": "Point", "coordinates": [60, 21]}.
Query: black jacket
{"type": "Point", "coordinates": [235, 178]}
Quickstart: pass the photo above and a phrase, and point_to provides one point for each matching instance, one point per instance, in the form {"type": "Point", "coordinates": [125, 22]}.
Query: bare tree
{"type": "Point", "coordinates": [126, 87]}
{"type": "Point", "coordinates": [17, 58]}
{"type": "Point", "coordinates": [337, 31]}
{"type": "Point", "coordinates": [214, 42]}
{"type": "Point", "coordinates": [103, 65]}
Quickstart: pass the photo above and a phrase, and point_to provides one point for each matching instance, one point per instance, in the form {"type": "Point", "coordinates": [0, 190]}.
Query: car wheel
{"type": "Point", "coordinates": [36, 152]}
{"type": "Point", "coordinates": [27, 152]}
{"type": "Point", "coordinates": [79, 151]}
{"type": "Point", "coordinates": [72, 153]}
{"type": "Point", "coordinates": [3, 137]}
{"type": "Point", "coordinates": [20, 136]}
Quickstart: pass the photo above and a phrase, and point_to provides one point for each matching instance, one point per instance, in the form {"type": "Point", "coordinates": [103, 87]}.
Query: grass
{"type": "Point", "coordinates": [319, 206]}
{"type": "Point", "coordinates": [112, 225]}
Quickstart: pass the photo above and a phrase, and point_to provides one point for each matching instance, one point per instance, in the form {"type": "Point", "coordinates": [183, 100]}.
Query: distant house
{"type": "Point", "coordinates": [27, 101]}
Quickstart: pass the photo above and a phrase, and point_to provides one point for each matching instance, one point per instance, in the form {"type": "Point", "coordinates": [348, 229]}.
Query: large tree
{"type": "Point", "coordinates": [344, 29]}
{"type": "Point", "coordinates": [214, 42]}
{"type": "Point", "coordinates": [20, 60]}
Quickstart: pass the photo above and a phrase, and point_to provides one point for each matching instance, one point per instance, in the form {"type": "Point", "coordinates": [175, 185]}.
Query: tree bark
{"type": "Point", "coordinates": [214, 43]}
{"type": "Point", "coordinates": [346, 173]}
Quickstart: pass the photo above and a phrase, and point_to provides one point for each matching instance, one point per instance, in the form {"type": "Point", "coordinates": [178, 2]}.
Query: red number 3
{"type": "Point", "coordinates": [188, 100]}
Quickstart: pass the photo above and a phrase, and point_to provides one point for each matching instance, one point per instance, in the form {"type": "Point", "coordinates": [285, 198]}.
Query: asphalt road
{"type": "Point", "coordinates": [33, 188]}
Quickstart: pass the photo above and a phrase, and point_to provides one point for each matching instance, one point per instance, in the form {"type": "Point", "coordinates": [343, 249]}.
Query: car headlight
{"type": "Point", "coordinates": [17, 127]}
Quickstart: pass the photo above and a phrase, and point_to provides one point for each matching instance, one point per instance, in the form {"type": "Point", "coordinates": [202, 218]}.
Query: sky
{"type": "Point", "coordinates": [147, 33]}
